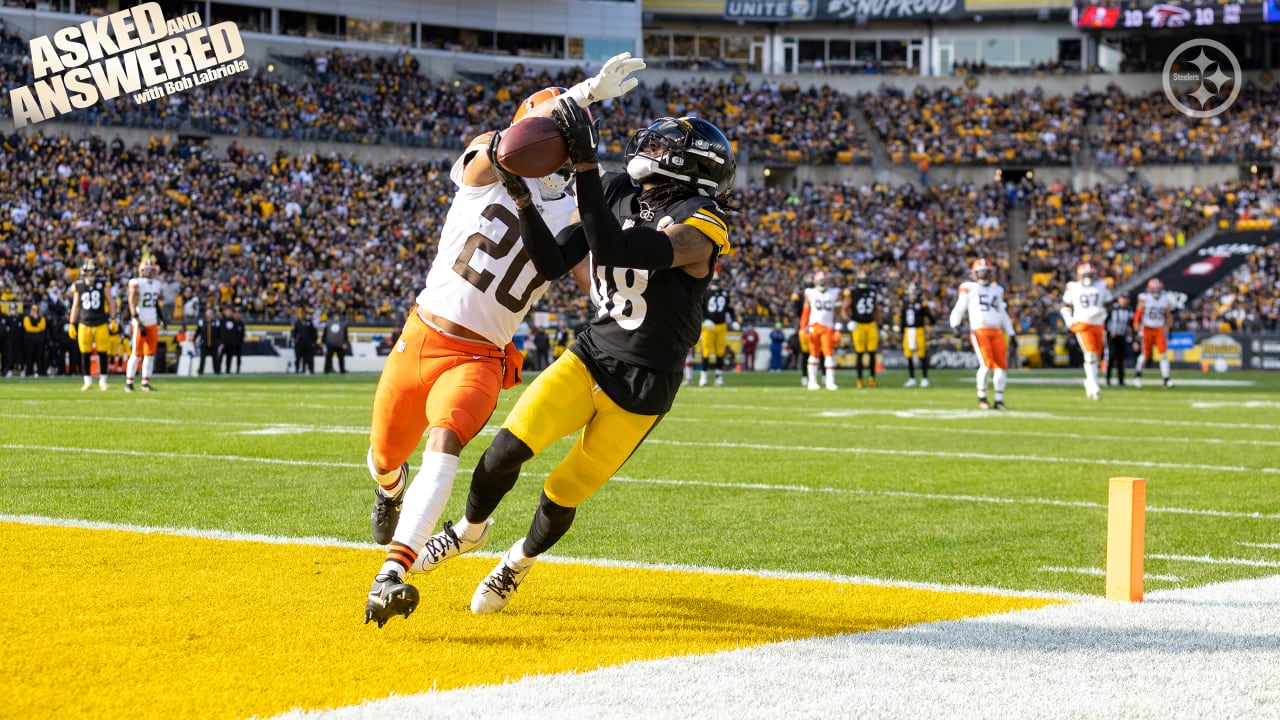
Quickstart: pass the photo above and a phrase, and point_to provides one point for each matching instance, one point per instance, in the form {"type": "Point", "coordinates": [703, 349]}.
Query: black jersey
{"type": "Point", "coordinates": [646, 320]}
{"type": "Point", "coordinates": [715, 307]}
{"type": "Point", "coordinates": [864, 303]}
{"type": "Point", "coordinates": [916, 314]}
{"type": "Point", "coordinates": [93, 301]}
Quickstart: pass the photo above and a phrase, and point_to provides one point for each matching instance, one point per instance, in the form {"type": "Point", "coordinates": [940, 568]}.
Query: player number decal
{"type": "Point", "coordinates": [620, 295]}
{"type": "Point", "coordinates": [92, 300]}
{"type": "Point", "coordinates": [499, 249]}
{"type": "Point", "coordinates": [988, 303]}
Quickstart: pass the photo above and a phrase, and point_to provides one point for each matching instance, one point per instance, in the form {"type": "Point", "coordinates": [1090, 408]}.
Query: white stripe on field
{"type": "Point", "coordinates": [944, 497]}
{"type": "Point", "coordinates": [1100, 572]}
{"type": "Point", "coordinates": [1265, 546]}
{"type": "Point", "coordinates": [975, 456]}
{"type": "Point", "coordinates": [1217, 561]}
{"type": "Point", "coordinates": [659, 481]}
{"type": "Point", "coordinates": [945, 430]}
{"type": "Point", "coordinates": [954, 413]}
{"type": "Point", "coordinates": [330, 542]}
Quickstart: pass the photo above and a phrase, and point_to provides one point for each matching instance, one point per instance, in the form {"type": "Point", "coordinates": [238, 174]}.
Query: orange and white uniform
{"type": "Point", "coordinates": [989, 322]}
{"type": "Point", "coordinates": [482, 280]}
{"type": "Point", "coordinates": [819, 319]}
{"type": "Point", "coordinates": [1151, 318]}
{"type": "Point", "coordinates": [146, 333]}
{"type": "Point", "coordinates": [1088, 314]}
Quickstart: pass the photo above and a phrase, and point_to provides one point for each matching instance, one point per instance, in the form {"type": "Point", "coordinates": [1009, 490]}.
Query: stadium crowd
{"type": "Point", "coordinates": [342, 97]}
{"type": "Point", "coordinates": [287, 236]}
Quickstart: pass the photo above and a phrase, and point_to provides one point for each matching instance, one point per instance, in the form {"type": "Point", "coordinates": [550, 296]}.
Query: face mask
{"type": "Point", "coordinates": [641, 168]}
{"type": "Point", "coordinates": [552, 187]}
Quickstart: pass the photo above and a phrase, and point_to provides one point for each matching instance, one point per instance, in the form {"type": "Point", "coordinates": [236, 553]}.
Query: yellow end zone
{"type": "Point", "coordinates": [110, 623]}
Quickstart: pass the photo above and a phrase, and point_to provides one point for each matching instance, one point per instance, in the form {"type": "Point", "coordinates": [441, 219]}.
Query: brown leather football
{"type": "Point", "coordinates": [533, 147]}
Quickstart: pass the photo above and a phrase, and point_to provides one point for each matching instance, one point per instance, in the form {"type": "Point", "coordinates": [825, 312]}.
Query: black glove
{"type": "Point", "coordinates": [514, 184]}
{"type": "Point", "coordinates": [581, 133]}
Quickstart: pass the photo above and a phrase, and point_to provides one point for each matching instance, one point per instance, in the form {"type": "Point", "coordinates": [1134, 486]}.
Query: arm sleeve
{"type": "Point", "coordinates": [552, 256]}
{"type": "Point", "coordinates": [957, 312]}
{"type": "Point", "coordinates": [639, 247]}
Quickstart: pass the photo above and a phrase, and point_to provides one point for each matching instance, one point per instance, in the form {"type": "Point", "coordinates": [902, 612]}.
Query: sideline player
{"type": "Point", "coordinates": [862, 306]}
{"type": "Point", "coordinates": [456, 353]}
{"type": "Point", "coordinates": [715, 331]}
{"type": "Point", "coordinates": [1084, 310]}
{"type": "Point", "coordinates": [916, 318]}
{"type": "Point", "coordinates": [983, 300]}
{"type": "Point", "coordinates": [91, 311]}
{"type": "Point", "coordinates": [1153, 318]}
{"type": "Point", "coordinates": [144, 315]}
{"type": "Point", "coordinates": [818, 319]}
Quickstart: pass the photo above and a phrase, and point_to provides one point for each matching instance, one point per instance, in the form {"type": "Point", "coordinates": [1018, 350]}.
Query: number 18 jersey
{"type": "Point", "coordinates": [482, 277]}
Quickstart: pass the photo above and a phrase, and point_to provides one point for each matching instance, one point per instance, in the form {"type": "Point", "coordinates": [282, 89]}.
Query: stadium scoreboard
{"type": "Point", "coordinates": [1148, 15]}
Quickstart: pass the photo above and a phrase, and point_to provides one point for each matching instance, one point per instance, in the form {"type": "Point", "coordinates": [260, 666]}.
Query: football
{"type": "Point", "coordinates": [533, 147]}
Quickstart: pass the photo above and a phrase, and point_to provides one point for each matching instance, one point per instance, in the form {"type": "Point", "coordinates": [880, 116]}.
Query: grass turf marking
{"type": "Point", "coordinates": [156, 625]}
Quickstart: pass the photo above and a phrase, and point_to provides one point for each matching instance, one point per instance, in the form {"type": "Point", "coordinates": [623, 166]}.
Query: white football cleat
{"type": "Point", "coordinates": [495, 591]}
{"type": "Point", "coordinates": [911, 382]}
{"type": "Point", "coordinates": [832, 386]}
{"type": "Point", "coordinates": [924, 383]}
{"type": "Point", "coordinates": [447, 544]}
{"type": "Point", "coordinates": [813, 386]}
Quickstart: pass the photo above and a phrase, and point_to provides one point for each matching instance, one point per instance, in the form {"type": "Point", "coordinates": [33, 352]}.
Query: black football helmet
{"type": "Point", "coordinates": [689, 150]}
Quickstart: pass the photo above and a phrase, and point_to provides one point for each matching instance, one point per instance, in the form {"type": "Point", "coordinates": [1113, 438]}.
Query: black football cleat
{"type": "Point", "coordinates": [1000, 405]}
{"type": "Point", "coordinates": [389, 597]}
{"type": "Point", "coordinates": [386, 510]}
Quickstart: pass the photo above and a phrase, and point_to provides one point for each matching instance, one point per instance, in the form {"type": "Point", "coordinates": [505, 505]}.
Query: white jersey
{"type": "Point", "coordinates": [822, 305]}
{"type": "Point", "coordinates": [985, 306]}
{"type": "Point", "coordinates": [1154, 309]}
{"type": "Point", "coordinates": [1088, 301]}
{"type": "Point", "coordinates": [482, 278]}
{"type": "Point", "coordinates": [148, 299]}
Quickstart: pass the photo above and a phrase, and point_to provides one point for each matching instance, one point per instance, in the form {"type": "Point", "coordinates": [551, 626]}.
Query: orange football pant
{"type": "Point", "coordinates": [432, 380]}
{"type": "Point", "coordinates": [990, 345]}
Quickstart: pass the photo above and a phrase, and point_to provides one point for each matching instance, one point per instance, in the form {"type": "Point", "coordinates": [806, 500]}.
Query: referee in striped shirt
{"type": "Point", "coordinates": [1119, 337]}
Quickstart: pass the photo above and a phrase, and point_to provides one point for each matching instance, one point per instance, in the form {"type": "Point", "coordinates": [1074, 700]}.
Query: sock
{"type": "Point", "coordinates": [400, 558]}
{"type": "Point", "coordinates": [148, 365]}
{"type": "Point", "coordinates": [88, 380]}
{"type": "Point", "coordinates": [389, 482]}
{"type": "Point", "coordinates": [1142, 362]}
{"type": "Point", "coordinates": [813, 369]}
{"type": "Point", "coordinates": [982, 381]}
{"type": "Point", "coordinates": [1000, 376]}
{"type": "Point", "coordinates": [131, 368]}
{"type": "Point", "coordinates": [465, 530]}
{"type": "Point", "coordinates": [516, 557]}
{"type": "Point", "coordinates": [425, 499]}
{"type": "Point", "coordinates": [924, 367]}
{"type": "Point", "coordinates": [911, 368]}
{"type": "Point", "coordinates": [1164, 368]}
{"type": "Point", "coordinates": [1091, 373]}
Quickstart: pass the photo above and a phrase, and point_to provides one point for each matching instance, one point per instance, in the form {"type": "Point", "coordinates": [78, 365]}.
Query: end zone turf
{"type": "Point", "coordinates": [152, 625]}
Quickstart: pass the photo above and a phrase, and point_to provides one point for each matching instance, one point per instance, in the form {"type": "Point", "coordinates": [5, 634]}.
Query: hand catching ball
{"type": "Point", "coordinates": [533, 147]}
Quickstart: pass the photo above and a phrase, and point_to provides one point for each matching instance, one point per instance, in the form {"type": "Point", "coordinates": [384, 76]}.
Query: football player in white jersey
{"type": "Point", "coordinates": [818, 318]}
{"type": "Point", "coordinates": [456, 353]}
{"type": "Point", "coordinates": [1084, 310]}
{"type": "Point", "coordinates": [982, 299]}
{"type": "Point", "coordinates": [145, 316]}
{"type": "Point", "coordinates": [1152, 319]}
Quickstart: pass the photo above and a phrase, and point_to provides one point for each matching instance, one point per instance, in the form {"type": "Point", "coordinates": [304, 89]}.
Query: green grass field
{"type": "Point", "coordinates": [888, 483]}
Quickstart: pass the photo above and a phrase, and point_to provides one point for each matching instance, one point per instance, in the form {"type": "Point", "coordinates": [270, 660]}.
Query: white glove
{"type": "Point", "coordinates": [612, 81]}
{"type": "Point", "coordinates": [736, 326]}
{"type": "Point", "coordinates": [708, 324]}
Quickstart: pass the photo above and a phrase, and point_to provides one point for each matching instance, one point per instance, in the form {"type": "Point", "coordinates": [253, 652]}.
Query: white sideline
{"type": "Point", "coordinates": [1205, 652]}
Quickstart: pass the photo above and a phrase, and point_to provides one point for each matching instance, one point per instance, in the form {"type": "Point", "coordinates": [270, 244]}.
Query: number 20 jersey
{"type": "Point", "coordinates": [482, 277]}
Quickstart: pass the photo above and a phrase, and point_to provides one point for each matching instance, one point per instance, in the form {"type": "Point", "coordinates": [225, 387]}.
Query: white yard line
{"type": "Point", "coordinates": [1101, 572]}
{"type": "Point", "coordinates": [1216, 561]}
{"type": "Point", "coordinates": [661, 481]}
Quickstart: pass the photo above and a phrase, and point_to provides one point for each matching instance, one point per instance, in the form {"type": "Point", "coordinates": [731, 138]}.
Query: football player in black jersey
{"type": "Point", "coordinates": [915, 319]}
{"type": "Point", "coordinates": [654, 233]}
{"type": "Point", "coordinates": [91, 311]}
{"type": "Point", "coordinates": [863, 306]}
{"type": "Point", "coordinates": [715, 331]}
